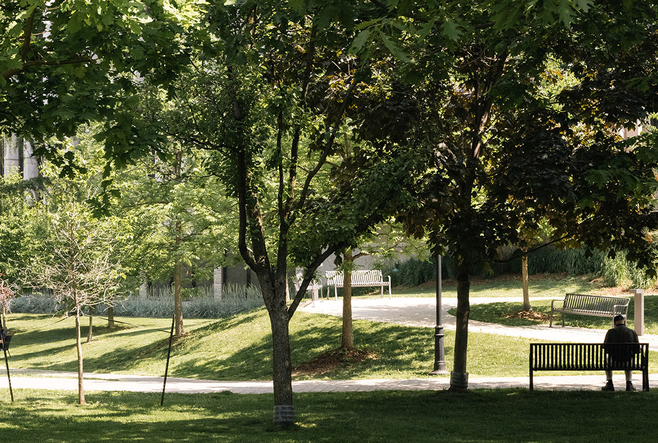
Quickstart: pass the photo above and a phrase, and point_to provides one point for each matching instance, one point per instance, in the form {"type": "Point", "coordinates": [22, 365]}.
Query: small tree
{"type": "Point", "coordinates": [179, 219]}
{"type": "Point", "coordinates": [76, 261]}
{"type": "Point", "coordinates": [77, 267]}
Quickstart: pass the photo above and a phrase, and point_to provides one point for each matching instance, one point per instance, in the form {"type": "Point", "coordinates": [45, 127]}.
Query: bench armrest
{"type": "Point", "coordinates": [558, 300]}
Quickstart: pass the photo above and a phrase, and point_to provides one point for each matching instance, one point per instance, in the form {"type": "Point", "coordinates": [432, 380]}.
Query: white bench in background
{"type": "Point", "coordinates": [359, 279]}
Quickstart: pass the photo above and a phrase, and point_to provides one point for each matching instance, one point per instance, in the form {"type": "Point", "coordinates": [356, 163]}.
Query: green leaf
{"type": "Point", "coordinates": [426, 29]}
{"type": "Point", "coordinates": [584, 4]}
{"type": "Point", "coordinates": [395, 50]}
{"type": "Point", "coordinates": [367, 24]}
{"type": "Point", "coordinates": [360, 40]}
{"type": "Point", "coordinates": [450, 30]}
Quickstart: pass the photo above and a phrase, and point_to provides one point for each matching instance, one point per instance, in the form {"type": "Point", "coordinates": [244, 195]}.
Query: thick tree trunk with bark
{"type": "Point", "coordinates": [275, 296]}
{"type": "Point", "coordinates": [282, 365]}
{"type": "Point", "coordinates": [459, 376]}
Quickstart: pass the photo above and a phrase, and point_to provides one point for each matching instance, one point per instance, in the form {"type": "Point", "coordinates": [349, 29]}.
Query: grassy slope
{"type": "Point", "coordinates": [239, 348]}
{"type": "Point", "coordinates": [507, 286]}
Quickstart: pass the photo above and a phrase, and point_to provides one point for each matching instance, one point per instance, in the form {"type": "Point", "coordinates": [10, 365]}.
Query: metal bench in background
{"type": "Point", "coordinates": [594, 305]}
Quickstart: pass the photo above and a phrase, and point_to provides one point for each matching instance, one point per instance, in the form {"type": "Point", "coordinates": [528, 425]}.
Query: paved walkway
{"type": "Point", "coordinates": [406, 311]}
{"type": "Point", "coordinates": [24, 379]}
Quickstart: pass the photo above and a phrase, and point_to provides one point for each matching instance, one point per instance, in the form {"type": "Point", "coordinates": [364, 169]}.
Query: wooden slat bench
{"type": "Point", "coordinates": [360, 278]}
{"type": "Point", "coordinates": [594, 305]}
{"type": "Point", "coordinates": [590, 357]}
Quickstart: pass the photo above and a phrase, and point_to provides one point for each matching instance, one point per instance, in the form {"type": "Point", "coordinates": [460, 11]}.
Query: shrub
{"type": "Point", "coordinates": [569, 261]}
{"type": "Point", "coordinates": [33, 304]}
{"type": "Point", "coordinates": [618, 271]}
{"type": "Point", "coordinates": [235, 299]}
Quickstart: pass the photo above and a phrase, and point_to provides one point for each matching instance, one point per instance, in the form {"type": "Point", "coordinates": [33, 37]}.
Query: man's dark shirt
{"type": "Point", "coordinates": [621, 334]}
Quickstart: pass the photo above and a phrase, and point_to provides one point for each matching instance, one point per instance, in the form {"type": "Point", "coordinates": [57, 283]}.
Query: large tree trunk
{"type": "Point", "coordinates": [459, 376]}
{"type": "Point", "coordinates": [524, 278]}
{"type": "Point", "coordinates": [347, 340]}
{"type": "Point", "coordinates": [281, 360]}
{"type": "Point", "coordinates": [78, 344]}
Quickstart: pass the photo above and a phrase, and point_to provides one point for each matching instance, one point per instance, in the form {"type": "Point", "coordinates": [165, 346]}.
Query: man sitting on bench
{"type": "Point", "coordinates": [619, 334]}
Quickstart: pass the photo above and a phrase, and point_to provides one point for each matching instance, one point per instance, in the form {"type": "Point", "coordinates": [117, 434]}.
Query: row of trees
{"type": "Point", "coordinates": [473, 124]}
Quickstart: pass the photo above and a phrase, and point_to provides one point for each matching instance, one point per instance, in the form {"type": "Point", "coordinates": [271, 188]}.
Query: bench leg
{"type": "Point", "coordinates": [550, 321]}
{"type": "Point", "coordinates": [645, 379]}
{"type": "Point", "coordinates": [531, 381]}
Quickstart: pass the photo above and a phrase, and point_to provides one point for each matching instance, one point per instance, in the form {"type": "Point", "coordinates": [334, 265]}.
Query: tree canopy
{"type": "Point", "coordinates": [472, 122]}
{"type": "Point", "coordinates": [67, 63]}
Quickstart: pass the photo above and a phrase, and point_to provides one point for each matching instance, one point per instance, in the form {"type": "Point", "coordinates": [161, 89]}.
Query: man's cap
{"type": "Point", "coordinates": [619, 317]}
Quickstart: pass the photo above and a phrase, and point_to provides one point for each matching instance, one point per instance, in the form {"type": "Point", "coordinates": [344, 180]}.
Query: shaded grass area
{"type": "Point", "coordinates": [240, 348]}
{"type": "Point", "coordinates": [483, 415]}
{"type": "Point", "coordinates": [509, 286]}
{"type": "Point", "coordinates": [499, 312]}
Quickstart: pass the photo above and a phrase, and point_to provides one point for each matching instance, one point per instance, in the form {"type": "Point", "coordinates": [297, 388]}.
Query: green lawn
{"type": "Point", "coordinates": [509, 286]}
{"type": "Point", "coordinates": [477, 416]}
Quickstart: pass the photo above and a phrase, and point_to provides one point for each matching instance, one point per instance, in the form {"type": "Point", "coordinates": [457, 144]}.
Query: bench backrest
{"type": "Point", "coordinates": [358, 277]}
{"type": "Point", "coordinates": [596, 303]}
{"type": "Point", "coordinates": [570, 356]}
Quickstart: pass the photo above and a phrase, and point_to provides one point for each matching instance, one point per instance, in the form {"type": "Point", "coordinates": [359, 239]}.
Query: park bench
{"type": "Point", "coordinates": [595, 305]}
{"type": "Point", "coordinates": [590, 357]}
{"type": "Point", "coordinates": [360, 278]}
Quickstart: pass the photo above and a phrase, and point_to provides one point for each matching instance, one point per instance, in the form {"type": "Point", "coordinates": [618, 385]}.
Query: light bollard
{"type": "Point", "coordinates": [638, 316]}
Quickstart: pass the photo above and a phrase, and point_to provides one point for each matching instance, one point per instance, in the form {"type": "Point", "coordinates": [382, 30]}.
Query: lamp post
{"type": "Point", "coordinates": [439, 350]}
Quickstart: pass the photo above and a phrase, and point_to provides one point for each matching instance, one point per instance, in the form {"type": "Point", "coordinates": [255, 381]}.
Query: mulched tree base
{"type": "Point", "coordinates": [332, 360]}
